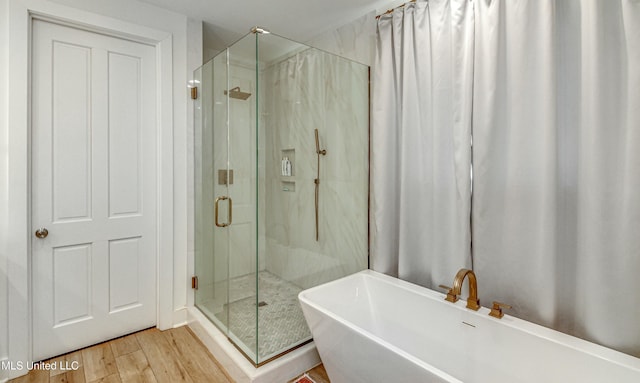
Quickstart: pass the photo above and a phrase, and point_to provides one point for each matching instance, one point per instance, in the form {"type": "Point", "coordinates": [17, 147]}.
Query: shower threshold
{"type": "Point", "coordinates": [287, 366]}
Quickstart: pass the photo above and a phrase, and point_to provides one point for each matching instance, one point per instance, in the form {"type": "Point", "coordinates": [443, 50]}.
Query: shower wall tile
{"type": "Point", "coordinates": [303, 267]}
{"type": "Point", "coordinates": [355, 40]}
{"type": "Point", "coordinates": [315, 90]}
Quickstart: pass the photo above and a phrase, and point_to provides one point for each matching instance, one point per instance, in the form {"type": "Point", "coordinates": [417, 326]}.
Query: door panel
{"type": "Point", "coordinates": [93, 188]}
{"type": "Point", "coordinates": [124, 268]}
{"type": "Point", "coordinates": [70, 134]}
{"type": "Point", "coordinates": [125, 193]}
{"type": "Point", "coordinates": [72, 279]}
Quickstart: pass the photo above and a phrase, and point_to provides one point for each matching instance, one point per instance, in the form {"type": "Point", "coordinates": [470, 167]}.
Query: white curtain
{"type": "Point", "coordinates": [420, 150]}
{"type": "Point", "coordinates": [556, 160]}
{"type": "Point", "coordinates": [555, 102]}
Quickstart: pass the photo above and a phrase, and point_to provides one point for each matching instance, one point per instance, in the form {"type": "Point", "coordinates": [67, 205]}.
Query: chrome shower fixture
{"type": "Point", "coordinates": [237, 93]}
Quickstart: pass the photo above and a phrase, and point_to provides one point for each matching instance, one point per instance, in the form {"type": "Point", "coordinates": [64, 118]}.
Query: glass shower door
{"type": "Point", "coordinates": [226, 193]}
{"type": "Point", "coordinates": [213, 209]}
{"type": "Point", "coordinates": [242, 154]}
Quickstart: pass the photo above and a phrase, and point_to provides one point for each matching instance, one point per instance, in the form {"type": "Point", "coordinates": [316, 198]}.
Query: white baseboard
{"type": "Point", "coordinates": [180, 317]}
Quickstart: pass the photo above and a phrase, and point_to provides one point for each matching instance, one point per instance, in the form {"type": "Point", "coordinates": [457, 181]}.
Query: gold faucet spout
{"type": "Point", "coordinates": [472, 301]}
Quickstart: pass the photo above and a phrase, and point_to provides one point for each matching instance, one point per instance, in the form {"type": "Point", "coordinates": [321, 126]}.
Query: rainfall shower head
{"type": "Point", "coordinates": [238, 94]}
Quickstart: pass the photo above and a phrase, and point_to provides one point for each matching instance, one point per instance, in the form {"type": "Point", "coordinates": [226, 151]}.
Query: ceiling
{"type": "Point", "coordinates": [300, 20]}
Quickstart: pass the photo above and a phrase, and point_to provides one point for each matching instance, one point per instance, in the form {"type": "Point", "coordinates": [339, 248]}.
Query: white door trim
{"type": "Point", "coordinates": [21, 14]}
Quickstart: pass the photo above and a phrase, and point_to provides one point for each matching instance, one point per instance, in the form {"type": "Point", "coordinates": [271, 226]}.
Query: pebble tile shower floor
{"type": "Point", "coordinates": [281, 324]}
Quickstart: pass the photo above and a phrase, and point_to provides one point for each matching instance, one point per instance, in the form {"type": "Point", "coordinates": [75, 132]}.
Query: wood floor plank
{"type": "Point", "coordinates": [151, 356]}
{"type": "Point", "coordinates": [76, 376]}
{"type": "Point", "coordinates": [98, 362]}
{"type": "Point", "coordinates": [64, 364]}
{"type": "Point", "coordinates": [34, 376]}
{"type": "Point", "coordinates": [69, 369]}
{"type": "Point", "coordinates": [318, 374]}
{"type": "Point", "coordinates": [124, 345]}
{"type": "Point", "coordinates": [162, 358]}
{"type": "Point", "coordinates": [195, 357]}
{"type": "Point", "coordinates": [114, 378]}
{"type": "Point", "coordinates": [60, 360]}
{"type": "Point", "coordinates": [134, 368]}
{"type": "Point", "coordinates": [76, 357]}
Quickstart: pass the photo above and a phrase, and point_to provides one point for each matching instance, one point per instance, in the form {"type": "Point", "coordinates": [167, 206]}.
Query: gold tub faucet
{"type": "Point", "coordinates": [452, 295]}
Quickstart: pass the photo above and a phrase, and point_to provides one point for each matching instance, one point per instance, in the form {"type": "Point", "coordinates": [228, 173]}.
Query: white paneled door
{"type": "Point", "coordinates": [94, 146]}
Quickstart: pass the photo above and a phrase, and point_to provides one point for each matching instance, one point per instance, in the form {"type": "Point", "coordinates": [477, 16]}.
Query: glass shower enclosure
{"type": "Point", "coordinates": [281, 186]}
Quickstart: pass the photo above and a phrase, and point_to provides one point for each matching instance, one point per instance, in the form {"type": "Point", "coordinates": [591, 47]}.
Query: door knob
{"type": "Point", "coordinates": [42, 233]}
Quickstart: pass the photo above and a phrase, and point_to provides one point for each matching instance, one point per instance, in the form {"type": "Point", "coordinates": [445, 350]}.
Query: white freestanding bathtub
{"type": "Point", "coordinates": [369, 327]}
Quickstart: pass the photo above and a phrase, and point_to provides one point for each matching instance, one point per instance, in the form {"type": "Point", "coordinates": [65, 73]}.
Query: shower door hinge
{"type": "Point", "coordinates": [225, 177]}
{"type": "Point", "coordinates": [194, 93]}
{"type": "Point", "coordinates": [194, 282]}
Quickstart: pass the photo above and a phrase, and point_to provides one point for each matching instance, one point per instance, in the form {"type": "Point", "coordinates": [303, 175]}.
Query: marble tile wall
{"type": "Point", "coordinates": [316, 90]}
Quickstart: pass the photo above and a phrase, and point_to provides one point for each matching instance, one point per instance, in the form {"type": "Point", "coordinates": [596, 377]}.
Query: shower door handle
{"type": "Point", "coordinates": [222, 198]}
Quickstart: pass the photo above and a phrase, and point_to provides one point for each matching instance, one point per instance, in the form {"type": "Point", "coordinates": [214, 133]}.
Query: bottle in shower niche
{"type": "Point", "coordinates": [287, 167]}
{"type": "Point", "coordinates": [282, 166]}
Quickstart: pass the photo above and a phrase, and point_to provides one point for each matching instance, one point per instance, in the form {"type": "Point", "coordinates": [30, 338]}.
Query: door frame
{"type": "Point", "coordinates": [18, 247]}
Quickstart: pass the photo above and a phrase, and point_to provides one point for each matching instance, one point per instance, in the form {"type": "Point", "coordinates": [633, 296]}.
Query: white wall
{"type": "Point", "coordinates": [355, 40]}
{"type": "Point", "coordinates": [186, 54]}
{"type": "Point", "coordinates": [4, 54]}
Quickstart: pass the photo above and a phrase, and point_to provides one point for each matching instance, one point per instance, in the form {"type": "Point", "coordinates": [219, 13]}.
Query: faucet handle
{"type": "Point", "coordinates": [496, 309]}
{"type": "Point", "coordinates": [451, 297]}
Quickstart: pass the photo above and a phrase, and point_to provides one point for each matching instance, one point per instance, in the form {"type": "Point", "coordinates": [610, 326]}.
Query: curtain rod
{"type": "Point", "coordinates": [393, 9]}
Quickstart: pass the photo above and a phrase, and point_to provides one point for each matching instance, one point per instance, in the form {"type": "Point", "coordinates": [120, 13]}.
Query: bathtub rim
{"type": "Point", "coordinates": [369, 335]}
{"type": "Point", "coordinates": [559, 338]}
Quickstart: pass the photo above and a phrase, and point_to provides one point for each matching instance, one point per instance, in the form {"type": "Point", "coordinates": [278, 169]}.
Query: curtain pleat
{"type": "Point", "coordinates": [420, 159]}
{"type": "Point", "coordinates": [556, 213]}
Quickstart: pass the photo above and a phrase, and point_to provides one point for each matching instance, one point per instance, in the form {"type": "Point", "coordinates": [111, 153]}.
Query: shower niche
{"type": "Point", "coordinates": [264, 233]}
{"type": "Point", "coordinates": [287, 170]}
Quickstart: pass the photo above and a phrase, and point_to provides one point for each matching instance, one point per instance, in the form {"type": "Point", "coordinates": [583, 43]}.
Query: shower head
{"type": "Point", "coordinates": [238, 94]}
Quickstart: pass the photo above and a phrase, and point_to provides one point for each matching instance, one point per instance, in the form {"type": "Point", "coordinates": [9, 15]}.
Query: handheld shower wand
{"type": "Point", "coordinates": [319, 152]}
